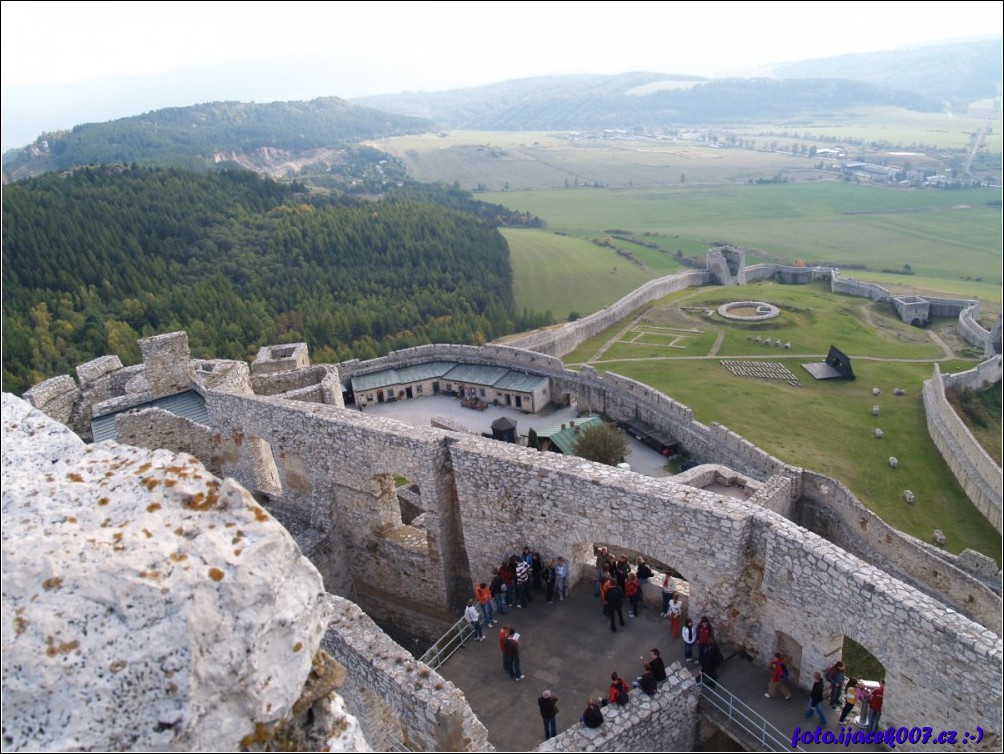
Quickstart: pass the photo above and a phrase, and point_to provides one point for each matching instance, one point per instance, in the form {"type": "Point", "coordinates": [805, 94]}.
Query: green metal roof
{"type": "Point", "coordinates": [189, 405]}
{"type": "Point", "coordinates": [388, 377]}
{"type": "Point", "coordinates": [499, 378]}
{"type": "Point", "coordinates": [479, 375]}
{"type": "Point", "coordinates": [566, 439]}
{"type": "Point", "coordinates": [518, 382]}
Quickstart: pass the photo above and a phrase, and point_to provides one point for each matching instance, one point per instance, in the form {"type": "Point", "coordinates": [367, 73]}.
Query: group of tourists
{"type": "Point", "coordinates": [512, 584]}
{"type": "Point", "coordinates": [617, 581]}
{"type": "Point", "coordinates": [843, 693]}
{"type": "Point", "coordinates": [516, 579]}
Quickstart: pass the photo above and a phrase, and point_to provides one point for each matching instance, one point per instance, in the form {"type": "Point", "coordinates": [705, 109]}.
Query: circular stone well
{"type": "Point", "coordinates": [749, 311]}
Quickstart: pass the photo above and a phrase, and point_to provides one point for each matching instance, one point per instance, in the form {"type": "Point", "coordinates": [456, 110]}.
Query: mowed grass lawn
{"type": "Point", "coordinates": [566, 274]}
{"type": "Point", "coordinates": [826, 426]}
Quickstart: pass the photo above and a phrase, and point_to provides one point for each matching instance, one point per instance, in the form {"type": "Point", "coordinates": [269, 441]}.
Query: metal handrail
{"type": "Point", "coordinates": [444, 647]}
{"type": "Point", "coordinates": [749, 720]}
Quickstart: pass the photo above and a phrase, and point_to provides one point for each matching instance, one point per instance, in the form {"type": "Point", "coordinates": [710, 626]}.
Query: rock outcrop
{"type": "Point", "coordinates": [150, 605]}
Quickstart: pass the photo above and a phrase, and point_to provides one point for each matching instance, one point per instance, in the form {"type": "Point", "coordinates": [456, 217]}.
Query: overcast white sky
{"type": "Point", "coordinates": [372, 48]}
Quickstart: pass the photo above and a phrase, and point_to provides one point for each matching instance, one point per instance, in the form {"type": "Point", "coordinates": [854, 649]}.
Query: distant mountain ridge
{"type": "Point", "coordinates": [636, 100]}
{"type": "Point", "coordinates": [926, 79]}
{"type": "Point", "coordinates": [197, 137]}
{"type": "Point", "coordinates": [963, 71]}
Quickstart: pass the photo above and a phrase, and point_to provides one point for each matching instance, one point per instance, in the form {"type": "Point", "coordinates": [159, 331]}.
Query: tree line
{"type": "Point", "coordinates": [98, 257]}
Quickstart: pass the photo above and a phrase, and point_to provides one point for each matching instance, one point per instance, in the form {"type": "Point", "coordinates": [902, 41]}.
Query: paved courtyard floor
{"type": "Point", "coordinates": [419, 411]}
{"type": "Point", "coordinates": [568, 647]}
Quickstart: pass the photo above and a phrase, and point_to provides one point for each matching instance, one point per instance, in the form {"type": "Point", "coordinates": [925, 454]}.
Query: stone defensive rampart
{"type": "Point", "coordinates": [829, 509]}
{"type": "Point", "coordinates": [972, 331]}
{"type": "Point", "coordinates": [979, 475]}
{"type": "Point", "coordinates": [756, 574]}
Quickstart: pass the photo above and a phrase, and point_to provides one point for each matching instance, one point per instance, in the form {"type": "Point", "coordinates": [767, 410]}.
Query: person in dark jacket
{"type": "Point", "coordinates": [548, 704]}
{"type": "Point", "coordinates": [658, 666]}
{"type": "Point", "coordinates": [816, 699]}
{"type": "Point", "coordinates": [615, 598]}
{"type": "Point", "coordinates": [710, 661]}
{"type": "Point", "coordinates": [647, 682]}
{"type": "Point", "coordinates": [593, 716]}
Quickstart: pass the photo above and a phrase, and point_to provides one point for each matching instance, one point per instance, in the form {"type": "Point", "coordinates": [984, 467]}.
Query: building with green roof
{"type": "Point", "coordinates": [491, 384]}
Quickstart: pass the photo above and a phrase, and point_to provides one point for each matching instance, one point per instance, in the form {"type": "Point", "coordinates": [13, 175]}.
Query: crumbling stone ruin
{"type": "Point", "coordinates": [332, 475]}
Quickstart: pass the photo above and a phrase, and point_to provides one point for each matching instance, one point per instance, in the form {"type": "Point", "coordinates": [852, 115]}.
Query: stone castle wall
{"type": "Point", "coordinates": [972, 331]}
{"type": "Point", "coordinates": [977, 472]}
{"type": "Point", "coordinates": [832, 511]}
{"type": "Point", "coordinates": [852, 287]}
{"type": "Point", "coordinates": [828, 507]}
{"type": "Point", "coordinates": [832, 514]}
{"type": "Point", "coordinates": [664, 722]}
{"type": "Point", "coordinates": [156, 428]}
{"type": "Point", "coordinates": [401, 703]}
{"type": "Point", "coordinates": [341, 469]}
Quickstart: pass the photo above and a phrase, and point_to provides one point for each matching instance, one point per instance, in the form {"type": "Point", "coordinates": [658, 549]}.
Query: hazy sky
{"type": "Point", "coordinates": [81, 62]}
{"type": "Point", "coordinates": [372, 48]}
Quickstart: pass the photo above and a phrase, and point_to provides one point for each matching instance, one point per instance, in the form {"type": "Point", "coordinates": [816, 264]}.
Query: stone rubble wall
{"type": "Point", "coordinates": [278, 383]}
{"type": "Point", "coordinates": [56, 397]}
{"type": "Point", "coordinates": [95, 369]}
{"type": "Point", "coordinates": [776, 495]}
{"type": "Point", "coordinates": [398, 700]}
{"type": "Point", "coordinates": [340, 468]}
{"type": "Point", "coordinates": [221, 375]}
{"type": "Point", "coordinates": [156, 428]}
{"type": "Point", "coordinates": [169, 368]}
{"type": "Point", "coordinates": [666, 721]}
{"type": "Point", "coordinates": [979, 475]}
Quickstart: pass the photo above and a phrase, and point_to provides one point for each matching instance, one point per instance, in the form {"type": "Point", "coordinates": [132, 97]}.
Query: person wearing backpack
{"type": "Point", "coordinates": [619, 692]}
{"type": "Point", "coordinates": [778, 677]}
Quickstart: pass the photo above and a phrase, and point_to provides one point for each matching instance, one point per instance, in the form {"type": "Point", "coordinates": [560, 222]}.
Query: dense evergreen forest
{"type": "Point", "coordinates": [95, 258]}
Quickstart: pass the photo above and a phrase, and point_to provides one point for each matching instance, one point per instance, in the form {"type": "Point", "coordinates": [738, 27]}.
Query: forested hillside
{"type": "Point", "coordinates": [639, 100]}
{"type": "Point", "coordinates": [95, 258]}
{"type": "Point", "coordinates": [197, 137]}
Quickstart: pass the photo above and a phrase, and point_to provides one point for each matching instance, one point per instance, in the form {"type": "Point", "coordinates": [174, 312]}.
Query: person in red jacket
{"type": "Point", "coordinates": [705, 636]}
{"type": "Point", "coordinates": [619, 690]}
{"type": "Point", "coordinates": [875, 706]}
{"type": "Point", "coordinates": [778, 676]}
